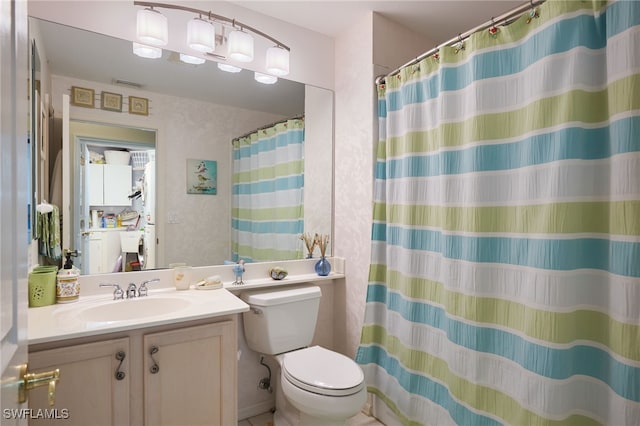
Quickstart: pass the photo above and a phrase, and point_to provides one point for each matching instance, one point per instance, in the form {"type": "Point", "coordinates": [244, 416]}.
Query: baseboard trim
{"type": "Point", "coordinates": [255, 409]}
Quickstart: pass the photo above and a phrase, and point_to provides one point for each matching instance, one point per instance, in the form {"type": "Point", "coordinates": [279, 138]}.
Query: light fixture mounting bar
{"type": "Point", "coordinates": [213, 16]}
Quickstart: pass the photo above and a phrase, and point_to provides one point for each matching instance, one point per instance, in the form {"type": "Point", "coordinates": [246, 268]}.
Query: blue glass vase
{"type": "Point", "coordinates": [323, 267]}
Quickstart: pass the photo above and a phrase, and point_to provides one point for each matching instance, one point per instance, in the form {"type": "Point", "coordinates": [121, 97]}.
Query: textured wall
{"type": "Point", "coordinates": [373, 45]}
{"type": "Point", "coordinates": [353, 176]}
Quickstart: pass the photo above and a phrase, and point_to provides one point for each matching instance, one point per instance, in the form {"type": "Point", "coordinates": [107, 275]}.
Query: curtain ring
{"type": "Point", "coordinates": [493, 30]}
{"type": "Point", "coordinates": [459, 45]}
{"type": "Point", "coordinates": [533, 13]}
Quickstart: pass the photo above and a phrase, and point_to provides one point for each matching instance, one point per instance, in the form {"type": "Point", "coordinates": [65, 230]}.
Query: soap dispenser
{"type": "Point", "coordinates": [68, 287]}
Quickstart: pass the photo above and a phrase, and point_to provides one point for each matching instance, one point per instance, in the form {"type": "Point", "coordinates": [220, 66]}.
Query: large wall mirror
{"type": "Point", "coordinates": [191, 115]}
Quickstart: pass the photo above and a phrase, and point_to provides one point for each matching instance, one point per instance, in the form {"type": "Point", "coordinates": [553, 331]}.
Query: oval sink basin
{"type": "Point", "coordinates": [124, 310]}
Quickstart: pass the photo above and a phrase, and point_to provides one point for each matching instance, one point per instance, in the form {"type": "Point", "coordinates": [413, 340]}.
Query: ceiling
{"type": "Point", "coordinates": [438, 20]}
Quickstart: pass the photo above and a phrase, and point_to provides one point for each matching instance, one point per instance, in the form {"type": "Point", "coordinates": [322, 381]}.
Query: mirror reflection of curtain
{"type": "Point", "coordinates": [268, 181]}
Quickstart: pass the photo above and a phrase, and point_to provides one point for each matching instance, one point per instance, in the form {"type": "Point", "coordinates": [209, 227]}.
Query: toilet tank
{"type": "Point", "coordinates": [280, 319]}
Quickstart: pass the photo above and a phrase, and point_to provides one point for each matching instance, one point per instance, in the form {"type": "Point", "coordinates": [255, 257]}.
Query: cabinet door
{"type": "Point", "coordinates": [95, 184]}
{"type": "Point", "coordinates": [88, 389]}
{"type": "Point", "coordinates": [117, 185]}
{"type": "Point", "coordinates": [195, 383]}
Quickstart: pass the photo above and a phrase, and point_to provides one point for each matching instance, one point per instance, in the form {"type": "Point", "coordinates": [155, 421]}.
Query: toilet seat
{"type": "Point", "coordinates": [323, 372]}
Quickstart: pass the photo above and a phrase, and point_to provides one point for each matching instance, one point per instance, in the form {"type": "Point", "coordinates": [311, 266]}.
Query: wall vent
{"type": "Point", "coordinates": [127, 83]}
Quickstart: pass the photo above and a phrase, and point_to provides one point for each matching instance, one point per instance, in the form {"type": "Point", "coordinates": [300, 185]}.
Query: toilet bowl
{"type": "Point", "coordinates": [316, 386]}
{"type": "Point", "coordinates": [325, 386]}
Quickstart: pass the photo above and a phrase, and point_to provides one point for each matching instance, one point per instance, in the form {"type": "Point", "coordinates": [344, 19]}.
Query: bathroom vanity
{"type": "Point", "coordinates": [178, 368]}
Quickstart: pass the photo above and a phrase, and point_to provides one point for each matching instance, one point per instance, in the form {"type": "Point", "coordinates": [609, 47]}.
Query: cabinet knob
{"type": "Point", "coordinates": [34, 380]}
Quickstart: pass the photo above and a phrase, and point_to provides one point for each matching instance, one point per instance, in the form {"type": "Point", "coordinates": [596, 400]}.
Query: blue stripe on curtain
{"type": "Point", "coordinates": [588, 144]}
{"type": "Point", "coordinates": [293, 136]}
{"type": "Point", "coordinates": [569, 254]}
{"type": "Point", "coordinates": [280, 227]}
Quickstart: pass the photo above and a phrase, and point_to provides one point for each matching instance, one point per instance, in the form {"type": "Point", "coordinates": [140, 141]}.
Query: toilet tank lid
{"type": "Point", "coordinates": [279, 296]}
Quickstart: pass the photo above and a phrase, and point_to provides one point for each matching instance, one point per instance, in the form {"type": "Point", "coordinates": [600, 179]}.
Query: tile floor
{"type": "Point", "coordinates": [266, 419]}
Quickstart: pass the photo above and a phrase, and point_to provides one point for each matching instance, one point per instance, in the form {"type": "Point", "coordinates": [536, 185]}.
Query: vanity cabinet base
{"type": "Point", "coordinates": [168, 376]}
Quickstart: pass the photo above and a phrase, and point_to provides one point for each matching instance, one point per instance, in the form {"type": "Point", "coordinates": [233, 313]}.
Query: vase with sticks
{"type": "Point", "coordinates": [309, 242]}
{"type": "Point", "coordinates": [323, 267]}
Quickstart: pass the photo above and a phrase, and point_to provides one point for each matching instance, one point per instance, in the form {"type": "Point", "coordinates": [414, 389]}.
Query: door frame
{"type": "Point", "coordinates": [80, 207]}
{"type": "Point", "coordinates": [14, 203]}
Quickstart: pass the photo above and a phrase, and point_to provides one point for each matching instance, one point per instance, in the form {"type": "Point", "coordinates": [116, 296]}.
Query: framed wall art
{"type": "Point", "coordinates": [81, 96]}
{"type": "Point", "coordinates": [138, 105]}
{"type": "Point", "coordinates": [111, 101]}
{"type": "Point", "coordinates": [202, 177]}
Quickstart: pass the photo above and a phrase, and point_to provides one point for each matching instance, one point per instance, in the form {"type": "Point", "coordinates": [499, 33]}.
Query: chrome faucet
{"type": "Point", "coordinates": [143, 290]}
{"type": "Point", "coordinates": [118, 293]}
{"type": "Point", "coordinates": [131, 291]}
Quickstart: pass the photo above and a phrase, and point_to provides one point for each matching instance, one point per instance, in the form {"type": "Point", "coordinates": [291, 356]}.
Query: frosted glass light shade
{"type": "Point", "coordinates": [188, 59]}
{"type": "Point", "coordinates": [265, 78]}
{"type": "Point", "coordinates": [201, 35]}
{"type": "Point", "coordinates": [277, 61]}
{"type": "Point", "coordinates": [152, 27]}
{"type": "Point", "coordinates": [228, 68]}
{"type": "Point", "coordinates": [240, 46]}
{"type": "Point", "coordinates": [144, 51]}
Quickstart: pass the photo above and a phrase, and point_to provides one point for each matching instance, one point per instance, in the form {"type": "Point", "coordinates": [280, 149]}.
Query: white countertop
{"type": "Point", "coordinates": [64, 321]}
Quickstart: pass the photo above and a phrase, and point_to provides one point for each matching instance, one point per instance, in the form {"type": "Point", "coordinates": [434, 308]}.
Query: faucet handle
{"type": "Point", "coordinates": [118, 293]}
{"type": "Point", "coordinates": [131, 291]}
{"type": "Point", "coordinates": [143, 290]}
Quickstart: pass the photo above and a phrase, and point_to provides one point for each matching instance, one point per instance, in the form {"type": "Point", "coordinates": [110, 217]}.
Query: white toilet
{"type": "Point", "coordinates": [323, 387]}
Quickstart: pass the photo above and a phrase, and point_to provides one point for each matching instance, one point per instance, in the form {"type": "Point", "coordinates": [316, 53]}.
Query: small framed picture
{"type": "Point", "coordinates": [81, 96]}
{"type": "Point", "coordinates": [202, 177]}
{"type": "Point", "coordinates": [138, 105]}
{"type": "Point", "coordinates": [111, 101]}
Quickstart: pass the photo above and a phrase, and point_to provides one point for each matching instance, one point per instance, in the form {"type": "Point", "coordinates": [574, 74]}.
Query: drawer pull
{"type": "Point", "coordinates": [120, 356]}
{"type": "Point", "coordinates": [155, 367]}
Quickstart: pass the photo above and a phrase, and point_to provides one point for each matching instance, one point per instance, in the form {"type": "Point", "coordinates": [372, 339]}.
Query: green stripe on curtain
{"type": "Point", "coordinates": [616, 217]}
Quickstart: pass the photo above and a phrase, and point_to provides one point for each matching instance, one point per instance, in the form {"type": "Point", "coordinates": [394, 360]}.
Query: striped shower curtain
{"type": "Point", "coordinates": [268, 181]}
{"type": "Point", "coordinates": [504, 284]}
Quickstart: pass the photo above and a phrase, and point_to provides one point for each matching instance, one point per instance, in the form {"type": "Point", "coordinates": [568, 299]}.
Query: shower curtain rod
{"type": "Point", "coordinates": [266, 126]}
{"type": "Point", "coordinates": [500, 20]}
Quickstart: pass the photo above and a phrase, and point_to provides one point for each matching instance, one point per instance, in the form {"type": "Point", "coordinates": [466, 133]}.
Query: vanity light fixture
{"type": "Point", "coordinates": [144, 51]}
{"type": "Point", "coordinates": [194, 60]}
{"type": "Point", "coordinates": [201, 36]}
{"type": "Point", "coordinates": [152, 27]}
{"type": "Point", "coordinates": [277, 61]}
{"type": "Point", "coordinates": [240, 46]}
{"type": "Point", "coordinates": [265, 78]}
{"type": "Point", "coordinates": [228, 68]}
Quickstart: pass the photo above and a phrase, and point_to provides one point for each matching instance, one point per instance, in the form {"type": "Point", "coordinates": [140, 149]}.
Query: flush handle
{"type": "Point", "coordinates": [34, 380]}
